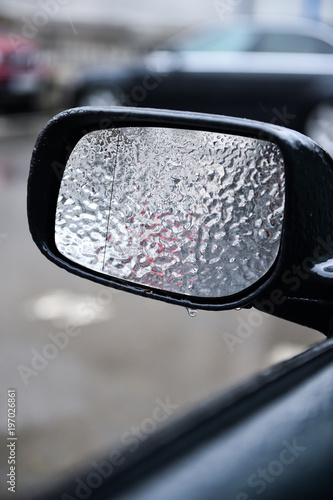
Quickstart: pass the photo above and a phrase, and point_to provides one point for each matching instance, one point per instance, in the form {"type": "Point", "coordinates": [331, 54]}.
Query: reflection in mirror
{"type": "Point", "coordinates": [192, 212]}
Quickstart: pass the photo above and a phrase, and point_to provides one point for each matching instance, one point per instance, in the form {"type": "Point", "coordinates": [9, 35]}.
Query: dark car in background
{"type": "Point", "coordinates": [25, 76]}
{"type": "Point", "coordinates": [275, 71]}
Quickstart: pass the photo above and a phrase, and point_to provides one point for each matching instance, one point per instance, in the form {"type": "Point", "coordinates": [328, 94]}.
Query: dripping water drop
{"type": "Point", "coordinates": [192, 312]}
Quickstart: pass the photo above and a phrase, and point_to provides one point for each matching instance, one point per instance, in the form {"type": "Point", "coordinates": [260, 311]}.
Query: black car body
{"type": "Point", "coordinates": [278, 72]}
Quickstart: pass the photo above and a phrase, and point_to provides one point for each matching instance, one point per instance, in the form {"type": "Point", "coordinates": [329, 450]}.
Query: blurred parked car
{"type": "Point", "coordinates": [25, 77]}
{"type": "Point", "coordinates": [278, 72]}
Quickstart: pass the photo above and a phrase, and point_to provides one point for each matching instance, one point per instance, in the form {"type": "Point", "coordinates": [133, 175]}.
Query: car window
{"type": "Point", "coordinates": [286, 42]}
{"type": "Point", "coordinates": [226, 41]}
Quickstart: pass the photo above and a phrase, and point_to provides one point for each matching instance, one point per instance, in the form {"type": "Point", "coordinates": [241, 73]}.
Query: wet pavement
{"type": "Point", "coordinates": [89, 363]}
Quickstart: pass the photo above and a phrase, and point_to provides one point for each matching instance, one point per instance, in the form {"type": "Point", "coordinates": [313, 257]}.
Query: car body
{"type": "Point", "coordinates": [274, 71]}
{"type": "Point", "coordinates": [24, 74]}
{"type": "Point", "coordinates": [269, 438]}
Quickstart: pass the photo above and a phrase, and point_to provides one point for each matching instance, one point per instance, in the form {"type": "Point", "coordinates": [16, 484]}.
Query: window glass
{"type": "Point", "coordinates": [281, 42]}
{"type": "Point", "coordinates": [226, 41]}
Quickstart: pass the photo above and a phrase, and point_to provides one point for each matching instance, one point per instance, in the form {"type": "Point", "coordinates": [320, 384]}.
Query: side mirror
{"type": "Point", "coordinates": [203, 211]}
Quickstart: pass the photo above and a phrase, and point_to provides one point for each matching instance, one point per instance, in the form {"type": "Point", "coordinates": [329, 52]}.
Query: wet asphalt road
{"type": "Point", "coordinates": [125, 355]}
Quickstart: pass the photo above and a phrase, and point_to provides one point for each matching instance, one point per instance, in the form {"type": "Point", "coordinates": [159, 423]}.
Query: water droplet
{"type": "Point", "coordinates": [192, 312]}
{"type": "Point", "coordinates": [328, 269]}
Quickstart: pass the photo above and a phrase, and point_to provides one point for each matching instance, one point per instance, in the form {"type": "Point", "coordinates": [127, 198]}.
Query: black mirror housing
{"type": "Point", "coordinates": [297, 287]}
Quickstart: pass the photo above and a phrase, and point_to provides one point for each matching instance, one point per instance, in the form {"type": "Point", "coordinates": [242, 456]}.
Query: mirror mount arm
{"type": "Point", "coordinates": [315, 314]}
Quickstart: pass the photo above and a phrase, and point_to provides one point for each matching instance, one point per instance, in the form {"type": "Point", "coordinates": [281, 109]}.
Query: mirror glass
{"type": "Point", "coordinates": [193, 212]}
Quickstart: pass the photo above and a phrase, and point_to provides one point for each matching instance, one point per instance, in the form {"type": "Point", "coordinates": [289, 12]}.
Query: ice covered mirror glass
{"type": "Point", "coordinates": [194, 212]}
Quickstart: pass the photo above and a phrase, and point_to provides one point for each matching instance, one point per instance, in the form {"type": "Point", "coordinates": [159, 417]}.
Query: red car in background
{"type": "Point", "coordinates": [25, 75]}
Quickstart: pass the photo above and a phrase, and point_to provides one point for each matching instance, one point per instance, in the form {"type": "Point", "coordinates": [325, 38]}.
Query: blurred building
{"type": "Point", "coordinates": [79, 33]}
{"type": "Point", "coordinates": [147, 16]}
{"type": "Point", "coordinates": [321, 10]}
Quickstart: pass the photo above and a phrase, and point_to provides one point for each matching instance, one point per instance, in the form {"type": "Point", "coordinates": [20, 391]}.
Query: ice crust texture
{"type": "Point", "coordinates": [191, 212]}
